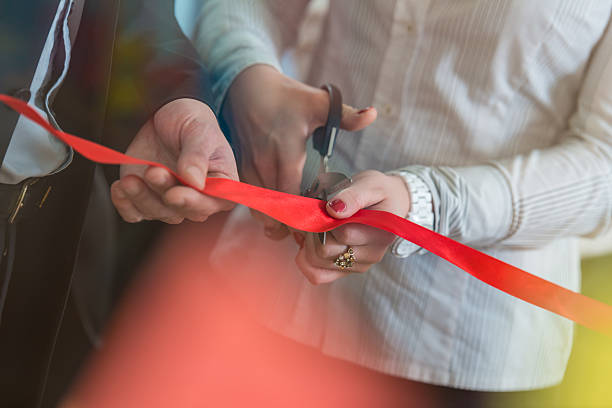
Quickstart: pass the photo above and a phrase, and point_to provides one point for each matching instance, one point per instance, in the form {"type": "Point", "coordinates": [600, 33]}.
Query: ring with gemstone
{"type": "Point", "coordinates": [346, 260]}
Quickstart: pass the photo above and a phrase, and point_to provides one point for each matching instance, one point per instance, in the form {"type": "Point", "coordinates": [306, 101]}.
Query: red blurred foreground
{"type": "Point", "coordinates": [182, 340]}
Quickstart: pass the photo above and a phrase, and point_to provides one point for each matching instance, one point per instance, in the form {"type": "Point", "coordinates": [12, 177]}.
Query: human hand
{"type": "Point", "coordinates": [272, 116]}
{"type": "Point", "coordinates": [372, 190]}
{"type": "Point", "coordinates": [183, 135]}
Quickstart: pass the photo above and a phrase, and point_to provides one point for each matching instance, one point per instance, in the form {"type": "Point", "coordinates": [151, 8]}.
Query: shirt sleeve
{"type": "Point", "coordinates": [531, 199]}
{"type": "Point", "coordinates": [232, 35]}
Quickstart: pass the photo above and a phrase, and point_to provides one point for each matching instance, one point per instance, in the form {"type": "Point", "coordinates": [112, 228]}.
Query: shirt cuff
{"type": "Point", "coordinates": [472, 204]}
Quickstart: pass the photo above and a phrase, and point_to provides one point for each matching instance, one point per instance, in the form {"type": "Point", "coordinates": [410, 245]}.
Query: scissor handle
{"type": "Point", "coordinates": [324, 138]}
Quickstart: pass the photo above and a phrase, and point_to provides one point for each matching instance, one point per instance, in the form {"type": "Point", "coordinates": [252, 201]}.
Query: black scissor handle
{"type": "Point", "coordinates": [324, 138]}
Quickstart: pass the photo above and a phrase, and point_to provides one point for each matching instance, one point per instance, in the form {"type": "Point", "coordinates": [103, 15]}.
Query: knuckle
{"type": "Point", "coordinates": [198, 217]}
{"type": "Point", "coordinates": [173, 220]}
{"type": "Point", "coordinates": [170, 201]}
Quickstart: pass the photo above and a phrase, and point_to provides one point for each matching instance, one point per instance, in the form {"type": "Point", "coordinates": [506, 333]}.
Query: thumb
{"type": "Point", "coordinates": [194, 155]}
{"type": "Point", "coordinates": [354, 119]}
{"type": "Point", "coordinates": [352, 199]}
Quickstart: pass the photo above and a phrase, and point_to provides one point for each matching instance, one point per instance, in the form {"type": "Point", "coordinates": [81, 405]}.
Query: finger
{"type": "Point", "coordinates": [365, 191]}
{"type": "Point", "coordinates": [325, 255]}
{"type": "Point", "coordinates": [199, 140]}
{"type": "Point", "coordinates": [159, 180]}
{"type": "Point", "coordinates": [124, 206]}
{"type": "Point", "coordinates": [357, 119]}
{"type": "Point", "coordinates": [194, 205]}
{"type": "Point", "coordinates": [353, 119]}
{"type": "Point", "coordinates": [322, 256]}
{"type": "Point", "coordinates": [147, 202]}
{"type": "Point", "coordinates": [358, 235]}
{"type": "Point", "coordinates": [315, 275]}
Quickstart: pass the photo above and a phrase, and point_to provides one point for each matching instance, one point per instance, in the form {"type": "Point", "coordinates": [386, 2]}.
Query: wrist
{"type": "Point", "coordinates": [421, 211]}
{"type": "Point", "coordinates": [399, 185]}
{"type": "Point", "coordinates": [246, 85]}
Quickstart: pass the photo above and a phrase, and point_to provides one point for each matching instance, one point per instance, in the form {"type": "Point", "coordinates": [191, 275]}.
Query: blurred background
{"type": "Point", "coordinates": [588, 380]}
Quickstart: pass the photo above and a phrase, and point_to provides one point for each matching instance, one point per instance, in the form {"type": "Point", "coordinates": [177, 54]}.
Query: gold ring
{"type": "Point", "coordinates": [346, 260]}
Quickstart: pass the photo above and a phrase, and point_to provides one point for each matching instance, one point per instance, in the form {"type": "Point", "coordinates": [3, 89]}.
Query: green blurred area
{"type": "Point", "coordinates": [588, 380]}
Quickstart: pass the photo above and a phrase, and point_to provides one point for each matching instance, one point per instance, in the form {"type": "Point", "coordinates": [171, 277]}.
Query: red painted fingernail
{"type": "Point", "coordinates": [364, 110]}
{"type": "Point", "coordinates": [337, 205]}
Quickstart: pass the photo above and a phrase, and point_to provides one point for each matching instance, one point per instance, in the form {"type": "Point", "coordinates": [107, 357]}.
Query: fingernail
{"type": "Point", "coordinates": [160, 179]}
{"type": "Point", "coordinates": [364, 110]}
{"type": "Point", "coordinates": [337, 205]}
{"type": "Point", "coordinates": [132, 189]}
{"type": "Point", "coordinates": [197, 177]}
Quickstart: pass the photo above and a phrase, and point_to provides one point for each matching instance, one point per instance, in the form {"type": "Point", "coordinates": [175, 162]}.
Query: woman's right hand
{"type": "Point", "coordinates": [271, 116]}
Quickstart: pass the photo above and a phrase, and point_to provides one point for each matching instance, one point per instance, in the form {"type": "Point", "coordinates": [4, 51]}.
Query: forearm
{"type": "Point", "coordinates": [526, 200]}
{"type": "Point", "coordinates": [530, 199]}
{"type": "Point", "coordinates": [232, 35]}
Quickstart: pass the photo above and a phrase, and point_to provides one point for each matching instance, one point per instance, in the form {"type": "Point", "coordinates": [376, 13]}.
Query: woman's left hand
{"type": "Point", "coordinates": [372, 190]}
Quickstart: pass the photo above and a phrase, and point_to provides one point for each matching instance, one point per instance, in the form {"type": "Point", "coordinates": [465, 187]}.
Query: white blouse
{"type": "Point", "coordinates": [504, 109]}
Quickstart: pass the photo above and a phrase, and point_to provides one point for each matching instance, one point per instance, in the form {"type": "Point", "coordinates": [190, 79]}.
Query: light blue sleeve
{"type": "Point", "coordinates": [232, 35]}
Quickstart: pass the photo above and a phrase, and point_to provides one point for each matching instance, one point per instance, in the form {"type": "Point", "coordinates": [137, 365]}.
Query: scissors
{"type": "Point", "coordinates": [327, 183]}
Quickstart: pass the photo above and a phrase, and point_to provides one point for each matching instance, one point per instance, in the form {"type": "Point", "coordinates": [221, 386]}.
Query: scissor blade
{"type": "Point", "coordinates": [325, 186]}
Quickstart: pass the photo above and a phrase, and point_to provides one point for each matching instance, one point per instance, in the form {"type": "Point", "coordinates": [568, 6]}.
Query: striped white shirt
{"type": "Point", "coordinates": [504, 109]}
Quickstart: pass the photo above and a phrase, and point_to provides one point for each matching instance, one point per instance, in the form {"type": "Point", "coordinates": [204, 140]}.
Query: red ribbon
{"type": "Point", "coordinates": [309, 214]}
